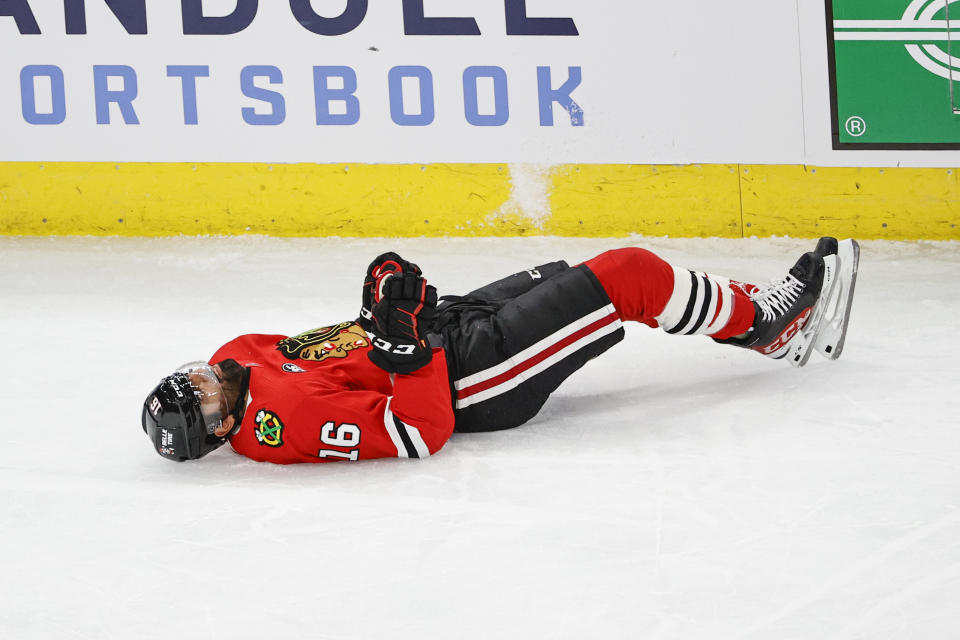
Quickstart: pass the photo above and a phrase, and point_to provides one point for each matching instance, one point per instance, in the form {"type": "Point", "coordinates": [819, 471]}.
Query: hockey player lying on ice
{"type": "Point", "coordinates": [398, 381]}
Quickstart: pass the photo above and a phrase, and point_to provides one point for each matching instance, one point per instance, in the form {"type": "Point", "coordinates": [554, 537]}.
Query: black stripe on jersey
{"type": "Point", "coordinates": [707, 295]}
{"type": "Point", "coordinates": [688, 312]}
{"type": "Point", "coordinates": [405, 438]}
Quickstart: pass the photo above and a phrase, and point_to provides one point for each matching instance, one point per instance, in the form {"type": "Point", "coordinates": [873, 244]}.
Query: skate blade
{"type": "Point", "coordinates": [830, 340]}
{"type": "Point", "coordinates": [800, 348]}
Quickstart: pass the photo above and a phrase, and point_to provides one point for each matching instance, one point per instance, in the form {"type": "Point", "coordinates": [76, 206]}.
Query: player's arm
{"type": "Point", "coordinates": [415, 422]}
{"type": "Point", "coordinates": [422, 397]}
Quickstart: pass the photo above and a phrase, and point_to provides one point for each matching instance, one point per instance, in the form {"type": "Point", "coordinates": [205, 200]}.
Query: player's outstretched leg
{"type": "Point", "coordinates": [808, 308]}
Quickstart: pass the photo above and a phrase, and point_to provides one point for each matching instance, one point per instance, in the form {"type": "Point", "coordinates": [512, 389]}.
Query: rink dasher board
{"type": "Point", "coordinates": [476, 199]}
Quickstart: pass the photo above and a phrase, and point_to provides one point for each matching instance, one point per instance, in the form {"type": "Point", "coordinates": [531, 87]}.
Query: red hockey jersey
{"type": "Point", "coordinates": [316, 397]}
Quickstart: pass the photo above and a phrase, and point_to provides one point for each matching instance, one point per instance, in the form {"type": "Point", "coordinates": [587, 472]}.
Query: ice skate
{"type": "Point", "coordinates": [836, 312]}
{"type": "Point", "coordinates": [790, 311]}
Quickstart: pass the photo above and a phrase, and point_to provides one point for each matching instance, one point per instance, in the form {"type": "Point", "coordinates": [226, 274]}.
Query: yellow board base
{"type": "Point", "coordinates": [374, 200]}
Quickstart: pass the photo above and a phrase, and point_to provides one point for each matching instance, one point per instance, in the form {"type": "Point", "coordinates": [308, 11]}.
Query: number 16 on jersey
{"type": "Point", "coordinates": [344, 435]}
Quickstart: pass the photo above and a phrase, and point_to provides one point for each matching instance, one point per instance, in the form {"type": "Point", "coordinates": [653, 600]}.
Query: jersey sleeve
{"type": "Point", "coordinates": [358, 424]}
{"type": "Point", "coordinates": [419, 417]}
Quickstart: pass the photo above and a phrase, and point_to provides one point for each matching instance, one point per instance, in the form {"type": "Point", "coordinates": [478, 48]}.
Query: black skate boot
{"type": "Point", "coordinates": [787, 315]}
{"type": "Point", "coordinates": [827, 246]}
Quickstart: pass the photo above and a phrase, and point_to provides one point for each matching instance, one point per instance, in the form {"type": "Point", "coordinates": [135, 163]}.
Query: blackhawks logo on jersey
{"type": "Point", "coordinates": [269, 429]}
{"type": "Point", "coordinates": [323, 343]}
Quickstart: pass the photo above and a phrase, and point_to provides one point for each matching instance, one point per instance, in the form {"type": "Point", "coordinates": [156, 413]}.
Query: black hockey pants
{"type": "Point", "coordinates": [510, 344]}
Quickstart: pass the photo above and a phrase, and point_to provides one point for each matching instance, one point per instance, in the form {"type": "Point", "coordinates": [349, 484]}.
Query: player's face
{"type": "Point", "coordinates": [205, 381]}
{"type": "Point", "coordinates": [213, 400]}
{"type": "Point", "coordinates": [207, 386]}
{"type": "Point", "coordinates": [217, 388]}
{"type": "Point", "coordinates": [230, 376]}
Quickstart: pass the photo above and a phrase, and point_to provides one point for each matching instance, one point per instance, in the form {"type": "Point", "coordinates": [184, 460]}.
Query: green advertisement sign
{"type": "Point", "coordinates": [894, 73]}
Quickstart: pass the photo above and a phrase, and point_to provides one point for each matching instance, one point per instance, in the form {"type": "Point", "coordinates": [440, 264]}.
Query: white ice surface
{"type": "Point", "coordinates": [673, 488]}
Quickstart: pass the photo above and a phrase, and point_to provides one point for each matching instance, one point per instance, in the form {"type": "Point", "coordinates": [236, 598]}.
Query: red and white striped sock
{"type": "Point", "coordinates": [645, 288]}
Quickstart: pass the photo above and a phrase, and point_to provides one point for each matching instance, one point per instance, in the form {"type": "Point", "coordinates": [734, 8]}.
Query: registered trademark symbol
{"type": "Point", "coordinates": [856, 126]}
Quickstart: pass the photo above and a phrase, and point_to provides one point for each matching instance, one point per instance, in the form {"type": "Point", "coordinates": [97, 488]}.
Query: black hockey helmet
{"type": "Point", "coordinates": [180, 419]}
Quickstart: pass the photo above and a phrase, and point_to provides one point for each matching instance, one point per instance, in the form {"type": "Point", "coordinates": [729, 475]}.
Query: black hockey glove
{"type": "Point", "coordinates": [401, 319]}
{"type": "Point", "coordinates": [381, 266]}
